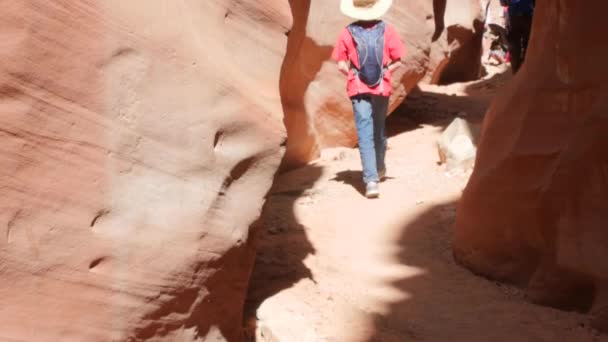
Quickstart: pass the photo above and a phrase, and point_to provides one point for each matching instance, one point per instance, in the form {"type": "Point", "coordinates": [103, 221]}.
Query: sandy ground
{"type": "Point", "coordinates": [334, 266]}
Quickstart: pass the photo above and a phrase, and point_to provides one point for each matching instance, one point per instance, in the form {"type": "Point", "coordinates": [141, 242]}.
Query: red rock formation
{"type": "Point", "coordinates": [441, 38]}
{"type": "Point", "coordinates": [462, 44]}
{"type": "Point", "coordinates": [536, 207]}
{"type": "Point", "coordinates": [137, 141]}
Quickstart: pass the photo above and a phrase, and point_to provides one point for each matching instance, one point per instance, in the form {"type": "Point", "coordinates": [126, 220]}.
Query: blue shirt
{"type": "Point", "coordinates": [522, 7]}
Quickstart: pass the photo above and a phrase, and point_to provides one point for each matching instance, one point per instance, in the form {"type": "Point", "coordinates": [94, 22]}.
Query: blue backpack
{"type": "Point", "coordinates": [370, 49]}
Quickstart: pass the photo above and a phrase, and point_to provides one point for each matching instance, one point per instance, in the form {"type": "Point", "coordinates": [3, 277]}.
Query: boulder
{"type": "Point", "coordinates": [456, 145]}
{"type": "Point", "coordinates": [535, 209]}
{"type": "Point", "coordinates": [443, 39]}
{"type": "Point", "coordinates": [132, 134]}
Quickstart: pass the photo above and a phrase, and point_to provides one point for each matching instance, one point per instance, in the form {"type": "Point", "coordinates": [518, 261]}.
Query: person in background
{"type": "Point", "coordinates": [519, 25]}
{"type": "Point", "coordinates": [367, 53]}
{"type": "Point", "coordinates": [495, 37]}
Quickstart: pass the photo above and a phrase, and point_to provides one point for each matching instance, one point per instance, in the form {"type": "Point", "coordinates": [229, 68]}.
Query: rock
{"type": "Point", "coordinates": [276, 325]}
{"type": "Point", "coordinates": [464, 33]}
{"type": "Point", "coordinates": [455, 146]}
{"type": "Point", "coordinates": [338, 154]}
{"type": "Point", "coordinates": [131, 134]}
{"type": "Point", "coordinates": [535, 210]}
{"type": "Point", "coordinates": [443, 42]}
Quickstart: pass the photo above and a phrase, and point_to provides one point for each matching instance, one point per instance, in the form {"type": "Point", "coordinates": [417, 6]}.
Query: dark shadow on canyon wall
{"type": "Point", "coordinates": [464, 63]}
{"type": "Point", "coordinates": [439, 7]}
{"type": "Point", "coordinates": [279, 263]}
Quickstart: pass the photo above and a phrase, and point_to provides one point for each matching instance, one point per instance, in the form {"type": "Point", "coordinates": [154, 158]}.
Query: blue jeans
{"type": "Point", "coordinates": [370, 116]}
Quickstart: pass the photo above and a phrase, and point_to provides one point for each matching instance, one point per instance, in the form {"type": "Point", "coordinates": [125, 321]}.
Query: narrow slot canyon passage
{"type": "Point", "coordinates": [186, 171]}
{"type": "Point", "coordinates": [334, 266]}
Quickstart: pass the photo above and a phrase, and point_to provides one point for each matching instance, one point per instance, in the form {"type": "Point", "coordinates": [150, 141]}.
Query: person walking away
{"type": "Point", "coordinates": [367, 52]}
{"type": "Point", "coordinates": [520, 13]}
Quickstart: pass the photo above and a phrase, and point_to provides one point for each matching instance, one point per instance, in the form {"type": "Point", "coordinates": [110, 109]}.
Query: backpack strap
{"type": "Point", "coordinates": [353, 30]}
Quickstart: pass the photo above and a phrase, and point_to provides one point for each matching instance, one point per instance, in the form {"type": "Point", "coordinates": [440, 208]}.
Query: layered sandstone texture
{"type": "Point", "coordinates": [443, 39]}
{"type": "Point", "coordinates": [137, 141]}
{"type": "Point", "coordinates": [536, 207]}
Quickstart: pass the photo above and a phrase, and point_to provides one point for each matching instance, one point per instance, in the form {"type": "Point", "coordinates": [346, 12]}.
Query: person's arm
{"type": "Point", "coordinates": [340, 53]}
{"type": "Point", "coordinates": [394, 65]}
{"type": "Point", "coordinates": [343, 67]}
{"type": "Point", "coordinates": [396, 50]}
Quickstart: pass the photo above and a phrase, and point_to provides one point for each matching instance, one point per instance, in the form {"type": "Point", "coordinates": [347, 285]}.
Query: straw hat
{"type": "Point", "coordinates": [365, 9]}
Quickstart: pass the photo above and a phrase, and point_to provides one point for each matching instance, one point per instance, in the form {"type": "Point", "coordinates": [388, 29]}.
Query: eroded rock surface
{"type": "Point", "coordinates": [535, 209]}
{"type": "Point", "coordinates": [137, 141]}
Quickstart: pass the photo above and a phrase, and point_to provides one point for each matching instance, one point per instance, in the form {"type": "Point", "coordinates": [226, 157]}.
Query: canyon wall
{"type": "Point", "coordinates": [137, 142]}
{"type": "Point", "coordinates": [535, 210]}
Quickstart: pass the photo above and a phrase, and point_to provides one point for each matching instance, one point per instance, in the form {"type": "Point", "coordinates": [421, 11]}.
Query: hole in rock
{"type": "Point", "coordinates": [99, 215]}
{"type": "Point", "coordinates": [96, 262]}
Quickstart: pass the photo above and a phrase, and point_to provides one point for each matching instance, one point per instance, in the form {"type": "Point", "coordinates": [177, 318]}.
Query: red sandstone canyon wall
{"type": "Point", "coordinates": [536, 207]}
{"type": "Point", "coordinates": [137, 142]}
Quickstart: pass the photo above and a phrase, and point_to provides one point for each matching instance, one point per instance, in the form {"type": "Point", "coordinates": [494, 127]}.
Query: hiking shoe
{"type": "Point", "coordinates": [371, 190]}
{"type": "Point", "coordinates": [382, 174]}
